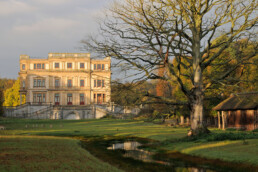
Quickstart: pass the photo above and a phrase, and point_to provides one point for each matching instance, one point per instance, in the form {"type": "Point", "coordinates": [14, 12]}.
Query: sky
{"type": "Point", "coordinates": [37, 27]}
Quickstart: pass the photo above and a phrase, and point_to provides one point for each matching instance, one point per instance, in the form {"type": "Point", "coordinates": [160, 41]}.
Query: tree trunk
{"type": "Point", "coordinates": [197, 122]}
{"type": "Point", "coordinates": [196, 97]}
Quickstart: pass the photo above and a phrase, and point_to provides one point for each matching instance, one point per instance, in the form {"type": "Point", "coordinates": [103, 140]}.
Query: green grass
{"type": "Point", "coordinates": [44, 153]}
{"type": "Point", "coordinates": [229, 150]}
{"type": "Point", "coordinates": [169, 139]}
{"type": "Point", "coordinates": [94, 127]}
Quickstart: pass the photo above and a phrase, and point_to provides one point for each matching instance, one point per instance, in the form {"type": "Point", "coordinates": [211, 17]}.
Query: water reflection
{"type": "Point", "coordinates": [132, 151]}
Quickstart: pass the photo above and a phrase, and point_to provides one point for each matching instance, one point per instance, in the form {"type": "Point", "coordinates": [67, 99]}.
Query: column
{"type": "Point", "coordinates": [224, 120]}
{"type": "Point", "coordinates": [219, 123]}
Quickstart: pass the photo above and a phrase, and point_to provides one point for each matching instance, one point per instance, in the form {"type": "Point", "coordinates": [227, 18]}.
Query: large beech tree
{"type": "Point", "coordinates": [146, 35]}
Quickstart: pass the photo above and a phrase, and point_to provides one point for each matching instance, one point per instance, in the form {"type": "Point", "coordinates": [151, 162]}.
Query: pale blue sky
{"type": "Point", "coordinates": [37, 27]}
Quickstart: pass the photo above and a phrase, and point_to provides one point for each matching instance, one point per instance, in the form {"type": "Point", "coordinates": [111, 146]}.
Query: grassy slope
{"type": "Point", "coordinates": [44, 153]}
{"type": "Point", "coordinates": [226, 150]}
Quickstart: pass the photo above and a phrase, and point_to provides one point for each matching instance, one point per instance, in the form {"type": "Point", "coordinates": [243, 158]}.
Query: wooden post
{"type": "Point", "coordinates": [219, 124]}
{"type": "Point", "coordinates": [224, 120]}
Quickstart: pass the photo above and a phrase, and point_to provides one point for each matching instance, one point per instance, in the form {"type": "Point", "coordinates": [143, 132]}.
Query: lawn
{"type": "Point", "coordinates": [47, 153]}
{"type": "Point", "coordinates": [168, 137]}
{"type": "Point", "coordinates": [92, 127]}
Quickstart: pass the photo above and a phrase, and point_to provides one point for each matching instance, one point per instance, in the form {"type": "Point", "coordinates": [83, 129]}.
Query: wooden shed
{"type": "Point", "coordinates": [239, 111]}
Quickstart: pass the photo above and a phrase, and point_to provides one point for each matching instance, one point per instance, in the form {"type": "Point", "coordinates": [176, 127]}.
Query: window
{"type": "Point", "coordinates": [69, 65]}
{"type": "Point", "coordinates": [99, 98]}
{"type": "Point", "coordinates": [69, 83]}
{"type": "Point", "coordinates": [44, 97]}
{"type": "Point", "coordinates": [82, 83]}
{"type": "Point", "coordinates": [39, 83]}
{"type": "Point", "coordinates": [39, 66]}
{"type": "Point", "coordinates": [103, 83]}
{"type": "Point", "coordinates": [69, 99]}
{"type": "Point", "coordinates": [57, 99]}
{"type": "Point", "coordinates": [98, 66]}
{"type": "Point", "coordinates": [99, 83]}
{"type": "Point", "coordinates": [23, 84]}
{"type": "Point", "coordinates": [81, 99]}
{"type": "Point", "coordinates": [56, 65]}
{"type": "Point", "coordinates": [57, 83]}
{"type": "Point", "coordinates": [35, 83]}
{"type": "Point", "coordinates": [81, 65]}
{"type": "Point", "coordinates": [23, 66]}
{"type": "Point", "coordinates": [39, 97]}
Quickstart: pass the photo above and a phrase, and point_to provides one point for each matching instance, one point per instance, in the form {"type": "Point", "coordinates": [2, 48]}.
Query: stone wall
{"type": "Point", "coordinates": [31, 111]}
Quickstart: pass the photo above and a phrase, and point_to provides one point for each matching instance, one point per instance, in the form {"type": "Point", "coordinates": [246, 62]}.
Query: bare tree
{"type": "Point", "coordinates": [148, 34]}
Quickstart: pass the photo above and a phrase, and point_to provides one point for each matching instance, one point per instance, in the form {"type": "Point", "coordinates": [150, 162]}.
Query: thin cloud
{"type": "Point", "coordinates": [49, 25]}
{"type": "Point", "coordinates": [12, 7]}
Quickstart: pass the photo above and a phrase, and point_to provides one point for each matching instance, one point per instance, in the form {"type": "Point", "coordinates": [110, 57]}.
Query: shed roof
{"type": "Point", "coordinates": [240, 101]}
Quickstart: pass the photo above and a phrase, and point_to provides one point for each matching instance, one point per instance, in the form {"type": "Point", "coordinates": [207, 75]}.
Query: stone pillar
{"type": "Point", "coordinates": [219, 124]}
{"type": "Point", "coordinates": [182, 120]}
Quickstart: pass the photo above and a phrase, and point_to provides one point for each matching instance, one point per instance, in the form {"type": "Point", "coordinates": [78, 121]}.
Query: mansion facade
{"type": "Point", "coordinates": [65, 79]}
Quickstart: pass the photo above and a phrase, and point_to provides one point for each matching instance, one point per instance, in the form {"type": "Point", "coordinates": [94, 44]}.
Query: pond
{"type": "Point", "coordinates": [132, 150]}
